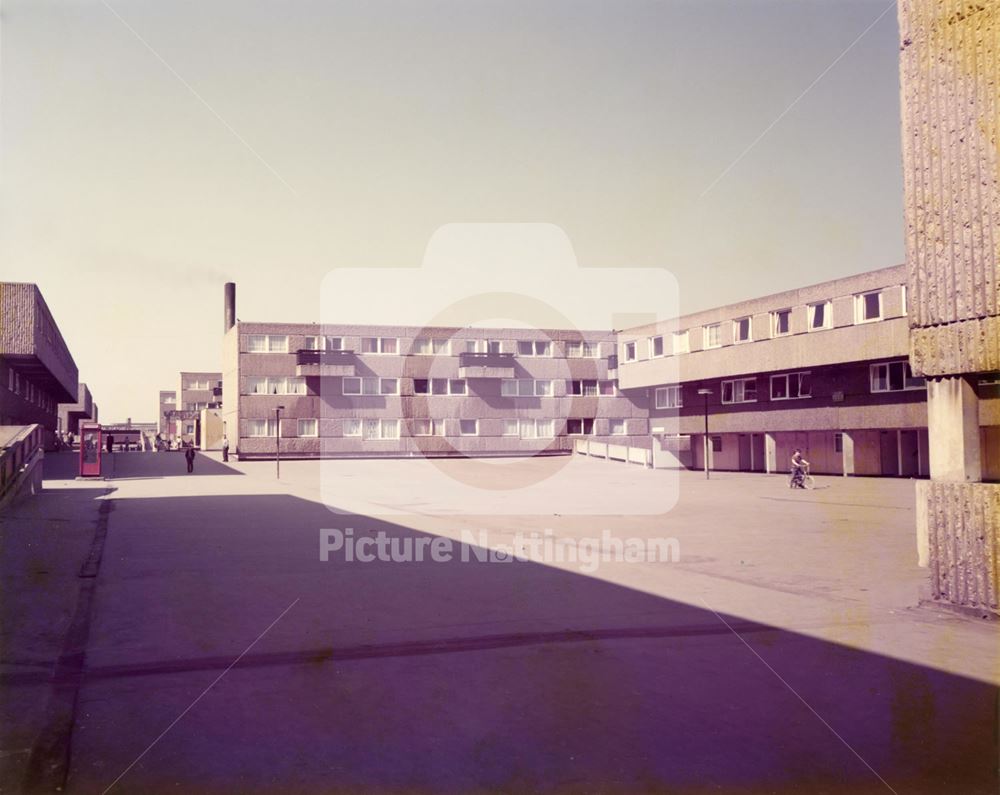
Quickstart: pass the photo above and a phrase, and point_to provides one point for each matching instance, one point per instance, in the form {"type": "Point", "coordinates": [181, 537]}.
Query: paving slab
{"type": "Point", "coordinates": [783, 652]}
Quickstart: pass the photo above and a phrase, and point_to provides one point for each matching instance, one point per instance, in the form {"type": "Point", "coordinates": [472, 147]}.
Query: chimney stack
{"type": "Point", "coordinates": [230, 319]}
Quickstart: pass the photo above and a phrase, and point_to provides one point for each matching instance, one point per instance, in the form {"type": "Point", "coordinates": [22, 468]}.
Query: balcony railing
{"type": "Point", "coordinates": [324, 363]}
{"type": "Point", "coordinates": [485, 365]}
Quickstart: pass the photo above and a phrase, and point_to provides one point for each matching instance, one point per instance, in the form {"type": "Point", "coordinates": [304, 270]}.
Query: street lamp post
{"type": "Point", "coordinates": [277, 442]}
{"type": "Point", "coordinates": [705, 393]}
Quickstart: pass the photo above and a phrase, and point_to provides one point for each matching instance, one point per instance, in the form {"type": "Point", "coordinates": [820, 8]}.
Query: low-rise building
{"type": "Point", "coordinates": [71, 414]}
{"type": "Point", "coordinates": [167, 408]}
{"type": "Point", "coordinates": [823, 368]}
{"type": "Point", "coordinates": [403, 390]}
{"type": "Point", "coordinates": [37, 371]}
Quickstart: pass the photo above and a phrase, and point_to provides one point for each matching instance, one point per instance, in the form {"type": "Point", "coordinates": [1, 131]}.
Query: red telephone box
{"type": "Point", "coordinates": [90, 450]}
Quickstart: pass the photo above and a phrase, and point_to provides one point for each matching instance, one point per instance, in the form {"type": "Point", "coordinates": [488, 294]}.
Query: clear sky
{"type": "Point", "coordinates": [153, 150]}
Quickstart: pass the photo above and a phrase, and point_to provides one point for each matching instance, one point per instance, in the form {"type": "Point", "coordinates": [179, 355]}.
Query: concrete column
{"type": "Point", "coordinates": [847, 447]}
{"type": "Point", "coordinates": [953, 427]}
{"type": "Point", "coordinates": [770, 453]}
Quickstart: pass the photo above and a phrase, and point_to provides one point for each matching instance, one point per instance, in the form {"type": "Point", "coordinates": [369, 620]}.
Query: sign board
{"type": "Point", "coordinates": [90, 450]}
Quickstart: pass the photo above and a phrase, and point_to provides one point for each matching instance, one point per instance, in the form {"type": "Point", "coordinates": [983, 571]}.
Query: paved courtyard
{"type": "Point", "coordinates": [208, 648]}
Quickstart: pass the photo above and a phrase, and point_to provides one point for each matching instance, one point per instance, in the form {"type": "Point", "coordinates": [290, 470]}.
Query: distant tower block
{"type": "Point", "coordinates": [950, 80]}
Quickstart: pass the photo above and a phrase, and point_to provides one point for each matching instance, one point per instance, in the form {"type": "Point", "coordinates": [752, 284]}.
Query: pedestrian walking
{"type": "Point", "coordinates": [189, 455]}
{"type": "Point", "coordinates": [225, 448]}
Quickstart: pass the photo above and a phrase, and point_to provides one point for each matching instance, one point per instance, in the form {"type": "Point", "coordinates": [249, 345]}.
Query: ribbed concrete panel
{"type": "Point", "coordinates": [963, 520]}
{"type": "Point", "coordinates": [967, 347]}
{"type": "Point", "coordinates": [950, 97]}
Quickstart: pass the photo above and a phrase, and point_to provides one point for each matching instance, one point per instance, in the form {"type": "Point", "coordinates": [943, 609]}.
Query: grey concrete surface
{"type": "Point", "coordinates": [782, 653]}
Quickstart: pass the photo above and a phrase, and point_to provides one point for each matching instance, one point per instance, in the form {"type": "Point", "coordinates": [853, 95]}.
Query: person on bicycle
{"type": "Point", "coordinates": [799, 468]}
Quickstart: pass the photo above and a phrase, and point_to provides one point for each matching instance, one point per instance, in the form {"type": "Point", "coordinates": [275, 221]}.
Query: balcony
{"type": "Point", "coordinates": [486, 365]}
{"type": "Point", "coordinates": [324, 364]}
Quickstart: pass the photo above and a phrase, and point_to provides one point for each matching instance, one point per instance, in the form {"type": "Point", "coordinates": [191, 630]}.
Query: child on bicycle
{"type": "Point", "coordinates": [799, 468]}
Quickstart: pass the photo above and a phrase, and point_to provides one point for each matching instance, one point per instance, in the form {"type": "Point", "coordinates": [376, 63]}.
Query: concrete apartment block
{"type": "Point", "coordinates": [167, 407]}
{"type": "Point", "coordinates": [471, 397]}
{"type": "Point", "coordinates": [822, 368]}
{"type": "Point", "coordinates": [37, 371]}
{"type": "Point", "coordinates": [197, 392]}
{"type": "Point", "coordinates": [70, 414]}
{"type": "Point", "coordinates": [950, 98]}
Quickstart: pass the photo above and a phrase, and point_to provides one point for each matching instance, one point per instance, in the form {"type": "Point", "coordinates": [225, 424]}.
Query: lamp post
{"type": "Point", "coordinates": [705, 393]}
{"type": "Point", "coordinates": [277, 442]}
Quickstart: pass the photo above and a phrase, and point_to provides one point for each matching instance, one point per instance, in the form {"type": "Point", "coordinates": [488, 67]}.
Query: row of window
{"type": "Point", "coordinates": [886, 377]}
{"type": "Point", "coordinates": [819, 316]}
{"type": "Point", "coordinates": [422, 346]}
{"type": "Point", "coordinates": [390, 428]}
{"type": "Point", "coordinates": [201, 383]}
{"type": "Point", "coordinates": [372, 385]}
{"type": "Point", "coordinates": [29, 392]}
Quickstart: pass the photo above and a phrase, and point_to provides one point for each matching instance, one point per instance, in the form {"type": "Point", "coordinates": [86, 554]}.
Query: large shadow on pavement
{"type": "Point", "coordinates": [472, 677]}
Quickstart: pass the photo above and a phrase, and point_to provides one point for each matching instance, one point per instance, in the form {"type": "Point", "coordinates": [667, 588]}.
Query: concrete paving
{"type": "Point", "coordinates": [783, 652]}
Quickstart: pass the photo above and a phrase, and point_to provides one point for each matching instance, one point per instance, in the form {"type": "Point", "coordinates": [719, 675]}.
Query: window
{"type": "Point", "coordinates": [313, 343]}
{"type": "Point", "coordinates": [742, 330]}
{"type": "Point", "coordinates": [534, 348]}
{"type": "Point", "coordinates": [423, 346]}
{"type": "Point", "coordinates": [820, 315]}
{"type": "Point", "coordinates": [532, 429]}
{"type": "Point", "coordinates": [525, 387]}
{"type": "Point", "coordinates": [379, 345]}
{"type": "Point", "coordinates": [655, 347]}
{"type": "Point", "coordinates": [586, 387]}
{"type": "Point", "coordinates": [668, 397]}
{"type": "Point", "coordinates": [335, 343]}
{"type": "Point", "coordinates": [197, 383]}
{"type": "Point", "coordinates": [681, 343]}
{"type": "Point", "coordinates": [352, 427]}
{"type": "Point", "coordinates": [510, 428]}
{"type": "Point", "coordinates": [586, 350]}
{"type": "Point", "coordinates": [629, 351]}
{"type": "Point", "coordinates": [352, 385]}
{"type": "Point", "coordinates": [617, 427]}
{"type": "Point", "coordinates": [254, 428]}
{"type": "Point", "coordinates": [468, 427]}
{"type": "Point", "coordinates": [712, 334]}
{"type": "Point", "coordinates": [427, 428]}
{"type": "Point", "coordinates": [716, 444]}
{"type": "Point", "coordinates": [380, 429]}
{"type": "Point", "coordinates": [789, 386]}
{"type": "Point", "coordinates": [739, 390]}
{"type": "Point", "coordinates": [781, 322]}
{"type": "Point", "coordinates": [838, 443]}
{"type": "Point", "coordinates": [267, 343]}
{"type": "Point", "coordinates": [307, 428]}
{"type": "Point", "coordinates": [607, 388]}
{"type": "Point", "coordinates": [580, 427]}
{"type": "Point", "coordinates": [894, 377]}
{"type": "Point", "coordinates": [189, 428]}
{"type": "Point", "coordinates": [295, 385]}
{"type": "Point", "coordinates": [439, 386]}
{"type": "Point", "coordinates": [868, 307]}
